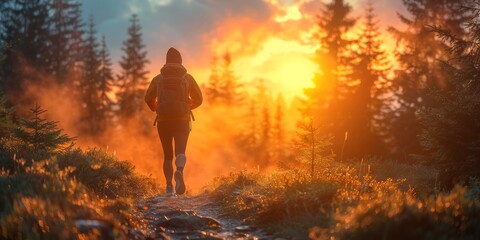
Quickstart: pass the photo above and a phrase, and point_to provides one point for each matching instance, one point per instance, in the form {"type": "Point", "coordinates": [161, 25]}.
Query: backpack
{"type": "Point", "coordinates": [172, 93]}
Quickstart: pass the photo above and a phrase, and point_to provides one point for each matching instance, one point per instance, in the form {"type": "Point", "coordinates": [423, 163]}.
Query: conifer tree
{"type": "Point", "coordinates": [24, 37]}
{"type": "Point", "coordinates": [256, 138]}
{"type": "Point", "coordinates": [265, 138]}
{"type": "Point", "coordinates": [279, 132]}
{"type": "Point", "coordinates": [364, 105]}
{"type": "Point", "coordinates": [66, 43]}
{"type": "Point", "coordinates": [133, 78]}
{"type": "Point", "coordinates": [213, 87]}
{"type": "Point", "coordinates": [90, 82]}
{"type": "Point", "coordinates": [312, 149]}
{"type": "Point", "coordinates": [106, 82]}
{"type": "Point", "coordinates": [223, 86]}
{"type": "Point", "coordinates": [249, 137]}
{"type": "Point", "coordinates": [265, 145]}
{"type": "Point", "coordinates": [331, 83]}
{"type": "Point", "coordinates": [419, 58]}
{"type": "Point", "coordinates": [230, 87]}
{"type": "Point", "coordinates": [450, 127]}
{"type": "Point", "coordinates": [41, 136]}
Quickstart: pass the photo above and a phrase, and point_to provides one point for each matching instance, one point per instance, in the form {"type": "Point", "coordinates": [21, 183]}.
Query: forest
{"type": "Point", "coordinates": [383, 144]}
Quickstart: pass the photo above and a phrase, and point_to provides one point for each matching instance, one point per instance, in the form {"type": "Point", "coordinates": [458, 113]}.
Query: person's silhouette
{"type": "Point", "coordinates": [172, 94]}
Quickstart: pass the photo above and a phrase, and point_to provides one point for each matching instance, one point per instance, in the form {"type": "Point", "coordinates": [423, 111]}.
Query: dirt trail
{"type": "Point", "coordinates": [192, 217]}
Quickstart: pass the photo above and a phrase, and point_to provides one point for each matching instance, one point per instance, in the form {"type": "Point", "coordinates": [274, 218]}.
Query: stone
{"type": "Point", "coordinates": [245, 228]}
{"type": "Point", "coordinates": [190, 222]}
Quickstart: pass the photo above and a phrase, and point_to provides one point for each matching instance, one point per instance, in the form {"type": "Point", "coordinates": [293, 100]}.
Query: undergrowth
{"type": "Point", "coordinates": [51, 190]}
{"type": "Point", "coordinates": [342, 202]}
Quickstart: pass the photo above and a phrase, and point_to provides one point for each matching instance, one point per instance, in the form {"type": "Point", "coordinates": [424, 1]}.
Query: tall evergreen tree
{"type": "Point", "coordinates": [265, 140]}
{"type": "Point", "coordinates": [364, 104]}
{"type": "Point", "coordinates": [419, 55]}
{"type": "Point", "coordinates": [133, 78]}
{"type": "Point", "coordinates": [223, 86]}
{"type": "Point", "coordinates": [24, 36]}
{"type": "Point", "coordinates": [249, 137]}
{"type": "Point", "coordinates": [331, 83]}
{"type": "Point", "coordinates": [257, 138]}
{"type": "Point", "coordinates": [90, 82]}
{"type": "Point", "coordinates": [264, 121]}
{"type": "Point", "coordinates": [230, 85]}
{"type": "Point", "coordinates": [213, 87]}
{"type": "Point", "coordinates": [66, 41]}
{"type": "Point", "coordinates": [450, 127]}
{"type": "Point", "coordinates": [279, 132]}
{"type": "Point", "coordinates": [106, 82]}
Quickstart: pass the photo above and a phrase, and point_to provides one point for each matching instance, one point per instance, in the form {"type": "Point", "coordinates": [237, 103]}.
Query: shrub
{"type": "Point", "coordinates": [46, 185]}
{"type": "Point", "coordinates": [399, 215]}
{"type": "Point", "coordinates": [105, 174]}
{"type": "Point", "coordinates": [289, 203]}
{"type": "Point", "coordinates": [43, 202]}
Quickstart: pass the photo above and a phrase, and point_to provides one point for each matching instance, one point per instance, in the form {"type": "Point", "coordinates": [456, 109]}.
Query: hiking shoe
{"type": "Point", "coordinates": [169, 190]}
{"type": "Point", "coordinates": [179, 183]}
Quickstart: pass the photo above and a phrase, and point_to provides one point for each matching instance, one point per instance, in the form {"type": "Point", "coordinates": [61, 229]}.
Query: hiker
{"type": "Point", "coordinates": [172, 94]}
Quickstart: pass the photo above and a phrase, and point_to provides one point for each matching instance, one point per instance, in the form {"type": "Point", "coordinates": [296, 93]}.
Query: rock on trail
{"type": "Point", "coordinates": [192, 217]}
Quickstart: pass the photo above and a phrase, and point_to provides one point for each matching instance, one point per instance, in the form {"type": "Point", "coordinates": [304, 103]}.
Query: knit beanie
{"type": "Point", "coordinates": [173, 56]}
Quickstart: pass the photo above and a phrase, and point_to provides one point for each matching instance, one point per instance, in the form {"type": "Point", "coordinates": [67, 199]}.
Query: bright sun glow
{"type": "Point", "coordinates": [285, 65]}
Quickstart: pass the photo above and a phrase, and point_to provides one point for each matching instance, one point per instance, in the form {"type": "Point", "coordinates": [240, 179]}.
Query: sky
{"type": "Point", "coordinates": [267, 39]}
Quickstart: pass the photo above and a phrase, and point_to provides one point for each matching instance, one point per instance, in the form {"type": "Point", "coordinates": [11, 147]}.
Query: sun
{"type": "Point", "coordinates": [285, 66]}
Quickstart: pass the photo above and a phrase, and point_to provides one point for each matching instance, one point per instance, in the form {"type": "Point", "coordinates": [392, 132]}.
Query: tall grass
{"type": "Point", "coordinates": [343, 202]}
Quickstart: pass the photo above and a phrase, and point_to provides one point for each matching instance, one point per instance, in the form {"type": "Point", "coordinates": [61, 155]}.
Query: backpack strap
{"type": "Point", "coordinates": [159, 94]}
{"type": "Point", "coordinates": [185, 81]}
{"type": "Point", "coordinates": [160, 88]}
{"type": "Point", "coordinates": [187, 89]}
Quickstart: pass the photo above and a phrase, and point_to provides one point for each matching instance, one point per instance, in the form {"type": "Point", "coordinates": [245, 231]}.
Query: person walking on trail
{"type": "Point", "coordinates": [172, 94]}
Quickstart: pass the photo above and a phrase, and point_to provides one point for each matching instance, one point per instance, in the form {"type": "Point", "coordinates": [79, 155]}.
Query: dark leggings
{"type": "Point", "coordinates": [177, 131]}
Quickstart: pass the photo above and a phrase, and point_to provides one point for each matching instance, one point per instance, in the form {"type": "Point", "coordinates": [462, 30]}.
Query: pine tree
{"type": "Point", "coordinates": [265, 138]}
{"type": "Point", "coordinates": [223, 86]}
{"type": "Point", "coordinates": [41, 136]}
{"type": "Point", "coordinates": [312, 149]}
{"type": "Point", "coordinates": [364, 104]}
{"type": "Point", "coordinates": [419, 58]}
{"type": "Point", "coordinates": [265, 145]}
{"type": "Point", "coordinates": [106, 82]}
{"type": "Point", "coordinates": [279, 130]}
{"type": "Point", "coordinates": [133, 79]}
{"type": "Point", "coordinates": [90, 82]}
{"type": "Point", "coordinates": [23, 35]}
{"type": "Point", "coordinates": [256, 138]}
{"type": "Point", "coordinates": [450, 128]}
{"type": "Point", "coordinates": [248, 140]}
{"type": "Point", "coordinates": [213, 87]}
{"type": "Point", "coordinates": [66, 42]}
{"type": "Point", "coordinates": [331, 83]}
{"type": "Point", "coordinates": [230, 87]}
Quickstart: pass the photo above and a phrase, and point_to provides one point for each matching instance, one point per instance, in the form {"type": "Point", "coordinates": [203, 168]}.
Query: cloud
{"type": "Point", "coordinates": [165, 23]}
{"type": "Point", "coordinates": [203, 28]}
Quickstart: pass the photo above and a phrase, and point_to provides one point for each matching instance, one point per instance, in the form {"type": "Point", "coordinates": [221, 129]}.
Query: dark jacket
{"type": "Point", "coordinates": [174, 70]}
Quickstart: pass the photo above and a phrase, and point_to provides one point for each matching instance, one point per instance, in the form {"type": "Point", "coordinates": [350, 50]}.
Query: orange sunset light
{"type": "Point", "coordinates": [248, 119]}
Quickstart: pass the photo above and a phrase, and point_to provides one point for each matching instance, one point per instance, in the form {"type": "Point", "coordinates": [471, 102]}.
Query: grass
{"type": "Point", "coordinates": [43, 199]}
{"type": "Point", "coordinates": [423, 179]}
{"type": "Point", "coordinates": [350, 202]}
